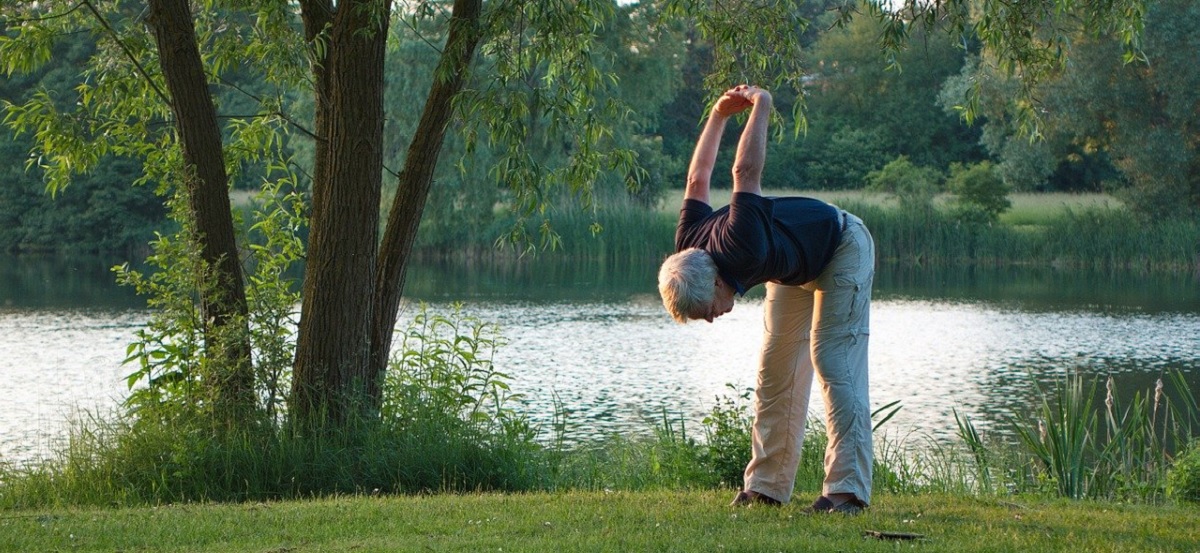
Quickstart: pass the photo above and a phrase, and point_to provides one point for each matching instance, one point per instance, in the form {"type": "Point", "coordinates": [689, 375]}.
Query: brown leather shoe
{"type": "Point", "coordinates": [748, 497]}
{"type": "Point", "coordinates": [823, 505]}
{"type": "Point", "coordinates": [850, 507]}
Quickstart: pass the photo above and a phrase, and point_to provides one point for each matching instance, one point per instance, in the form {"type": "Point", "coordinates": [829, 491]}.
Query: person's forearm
{"type": "Point", "coordinates": [704, 158]}
{"type": "Point", "coordinates": [752, 148]}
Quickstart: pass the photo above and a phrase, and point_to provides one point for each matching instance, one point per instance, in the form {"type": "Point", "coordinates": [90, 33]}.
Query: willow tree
{"type": "Point", "coordinates": [535, 65]}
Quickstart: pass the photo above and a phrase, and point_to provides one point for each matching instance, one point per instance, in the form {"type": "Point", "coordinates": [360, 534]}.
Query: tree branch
{"type": "Point", "coordinates": [418, 34]}
{"type": "Point", "coordinates": [48, 17]}
{"type": "Point", "coordinates": [277, 113]}
{"type": "Point", "coordinates": [112, 32]}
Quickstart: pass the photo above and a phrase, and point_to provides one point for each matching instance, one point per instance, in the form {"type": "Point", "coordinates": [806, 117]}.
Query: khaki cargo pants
{"type": "Point", "coordinates": [822, 327]}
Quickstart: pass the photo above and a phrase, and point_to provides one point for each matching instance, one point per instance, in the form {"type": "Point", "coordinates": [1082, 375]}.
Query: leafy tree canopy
{"type": "Point", "coordinates": [1126, 125]}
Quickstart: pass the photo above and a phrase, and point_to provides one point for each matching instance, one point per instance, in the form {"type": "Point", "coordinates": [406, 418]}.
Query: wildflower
{"type": "Point", "coordinates": [1108, 399]}
{"type": "Point", "coordinates": [1158, 393]}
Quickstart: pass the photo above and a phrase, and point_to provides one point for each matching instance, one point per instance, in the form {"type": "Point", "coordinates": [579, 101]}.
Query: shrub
{"type": "Point", "coordinates": [913, 186]}
{"type": "Point", "coordinates": [980, 194]}
{"type": "Point", "coordinates": [1183, 479]}
{"type": "Point", "coordinates": [727, 433]}
{"type": "Point", "coordinates": [452, 410]}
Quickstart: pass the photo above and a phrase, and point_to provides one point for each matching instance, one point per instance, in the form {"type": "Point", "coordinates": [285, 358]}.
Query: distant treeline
{"type": "Point", "coordinates": [1105, 126]}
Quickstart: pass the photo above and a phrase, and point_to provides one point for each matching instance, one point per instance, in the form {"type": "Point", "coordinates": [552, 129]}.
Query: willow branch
{"type": "Point", "coordinates": [104, 23]}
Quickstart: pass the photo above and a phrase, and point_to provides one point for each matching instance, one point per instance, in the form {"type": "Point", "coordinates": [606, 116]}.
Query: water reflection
{"type": "Point", "coordinates": [593, 337]}
{"type": "Point", "coordinates": [620, 366]}
{"type": "Point", "coordinates": [55, 365]}
{"type": "Point", "coordinates": [554, 278]}
{"type": "Point", "coordinates": [67, 282]}
{"type": "Point", "coordinates": [1045, 288]}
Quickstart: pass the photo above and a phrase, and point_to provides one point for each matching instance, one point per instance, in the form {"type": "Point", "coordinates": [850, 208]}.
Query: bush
{"type": "Point", "coordinates": [1183, 479]}
{"type": "Point", "coordinates": [913, 186]}
{"type": "Point", "coordinates": [444, 395]}
{"type": "Point", "coordinates": [727, 433]}
{"type": "Point", "coordinates": [980, 194]}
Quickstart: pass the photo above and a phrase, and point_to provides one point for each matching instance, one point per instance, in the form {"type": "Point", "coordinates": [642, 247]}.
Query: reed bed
{"type": "Point", "coordinates": [1097, 238]}
{"type": "Point", "coordinates": [1078, 443]}
{"type": "Point", "coordinates": [1063, 231]}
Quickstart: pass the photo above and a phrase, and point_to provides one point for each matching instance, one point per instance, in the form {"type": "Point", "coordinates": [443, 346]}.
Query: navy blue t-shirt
{"type": "Point", "coordinates": [755, 239]}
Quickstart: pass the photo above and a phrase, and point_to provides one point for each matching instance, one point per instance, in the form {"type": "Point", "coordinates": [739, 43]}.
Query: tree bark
{"type": "Point", "coordinates": [332, 371]}
{"type": "Point", "coordinates": [223, 304]}
{"type": "Point", "coordinates": [415, 180]}
{"type": "Point", "coordinates": [317, 16]}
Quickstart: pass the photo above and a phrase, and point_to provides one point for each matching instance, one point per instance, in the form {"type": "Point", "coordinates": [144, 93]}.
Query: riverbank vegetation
{"type": "Point", "coordinates": [1063, 231]}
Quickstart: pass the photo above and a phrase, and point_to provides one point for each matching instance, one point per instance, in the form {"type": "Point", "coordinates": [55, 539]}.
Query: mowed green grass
{"type": "Point", "coordinates": [605, 521]}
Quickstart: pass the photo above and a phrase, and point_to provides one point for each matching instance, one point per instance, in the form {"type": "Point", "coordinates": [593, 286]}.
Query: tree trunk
{"type": "Point", "coordinates": [332, 370]}
{"type": "Point", "coordinates": [223, 304]}
{"type": "Point", "coordinates": [415, 180]}
{"type": "Point", "coordinates": [317, 16]}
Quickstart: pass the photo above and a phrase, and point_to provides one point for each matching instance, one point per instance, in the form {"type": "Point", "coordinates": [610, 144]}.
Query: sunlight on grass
{"type": "Point", "coordinates": [1028, 208]}
{"type": "Point", "coordinates": [1038, 208]}
{"type": "Point", "coordinates": [719, 197]}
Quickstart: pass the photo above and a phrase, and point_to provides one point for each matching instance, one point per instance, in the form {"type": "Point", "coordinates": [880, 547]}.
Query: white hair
{"type": "Point", "coordinates": [687, 280]}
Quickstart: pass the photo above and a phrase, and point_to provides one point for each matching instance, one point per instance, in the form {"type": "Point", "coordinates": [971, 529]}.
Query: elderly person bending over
{"type": "Point", "coordinates": [817, 263]}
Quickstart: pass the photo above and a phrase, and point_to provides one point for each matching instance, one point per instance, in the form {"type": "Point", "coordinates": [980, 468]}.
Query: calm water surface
{"type": "Point", "coordinates": [595, 338]}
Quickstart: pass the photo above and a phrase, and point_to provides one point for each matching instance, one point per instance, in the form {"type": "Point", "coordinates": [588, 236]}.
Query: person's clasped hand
{"type": "Point", "coordinates": [732, 102]}
{"type": "Point", "coordinates": [738, 99]}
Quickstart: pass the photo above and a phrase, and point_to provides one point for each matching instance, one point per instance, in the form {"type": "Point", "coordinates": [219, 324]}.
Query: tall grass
{"type": "Point", "coordinates": [673, 458]}
{"type": "Point", "coordinates": [1096, 238]}
{"type": "Point", "coordinates": [1100, 238]}
{"type": "Point", "coordinates": [624, 231]}
{"type": "Point", "coordinates": [1061, 435]}
{"type": "Point", "coordinates": [1072, 447]}
{"type": "Point", "coordinates": [1054, 230]}
{"type": "Point", "coordinates": [617, 229]}
{"type": "Point", "coordinates": [1069, 446]}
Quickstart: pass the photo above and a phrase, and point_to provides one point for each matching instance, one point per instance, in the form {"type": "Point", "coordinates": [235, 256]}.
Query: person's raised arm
{"type": "Point", "coordinates": [705, 157]}
{"type": "Point", "coordinates": [700, 171]}
{"type": "Point", "coordinates": [752, 147]}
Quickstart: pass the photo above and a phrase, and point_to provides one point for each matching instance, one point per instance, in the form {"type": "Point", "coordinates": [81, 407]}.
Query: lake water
{"type": "Point", "coordinates": [594, 337]}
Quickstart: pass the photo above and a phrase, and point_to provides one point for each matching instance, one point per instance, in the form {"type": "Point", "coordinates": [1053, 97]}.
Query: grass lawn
{"type": "Point", "coordinates": [599, 521]}
{"type": "Point", "coordinates": [1034, 209]}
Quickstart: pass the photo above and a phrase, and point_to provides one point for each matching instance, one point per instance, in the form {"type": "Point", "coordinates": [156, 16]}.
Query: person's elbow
{"type": "Point", "coordinates": [743, 170]}
{"type": "Point", "coordinates": [747, 177]}
{"type": "Point", "coordinates": [697, 188]}
{"type": "Point", "coordinates": [698, 182]}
